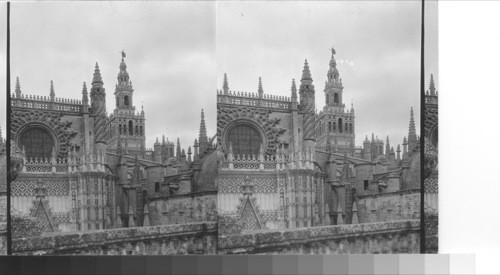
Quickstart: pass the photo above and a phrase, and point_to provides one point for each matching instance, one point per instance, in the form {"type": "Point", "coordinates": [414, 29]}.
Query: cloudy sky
{"type": "Point", "coordinates": [177, 53]}
{"type": "Point", "coordinates": [377, 45]}
{"type": "Point", "coordinates": [170, 51]}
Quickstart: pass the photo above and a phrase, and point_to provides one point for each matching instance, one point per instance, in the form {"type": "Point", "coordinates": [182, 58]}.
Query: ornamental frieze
{"type": "Point", "coordinates": [21, 119]}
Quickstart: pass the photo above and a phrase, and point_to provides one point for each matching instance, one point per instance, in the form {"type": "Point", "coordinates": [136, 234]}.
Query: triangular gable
{"type": "Point", "coordinates": [249, 216]}
{"type": "Point", "coordinates": [41, 211]}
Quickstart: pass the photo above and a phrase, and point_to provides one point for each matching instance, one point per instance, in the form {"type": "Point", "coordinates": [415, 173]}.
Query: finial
{"type": "Point", "coordinates": [432, 87]}
{"type": "Point", "coordinates": [18, 88]}
{"type": "Point", "coordinates": [225, 84]}
{"type": "Point", "coordinates": [333, 51]}
{"type": "Point", "coordinates": [306, 73]}
{"type": "Point", "coordinates": [52, 93]}
{"type": "Point", "coordinates": [260, 90]}
{"type": "Point", "coordinates": [294, 90]}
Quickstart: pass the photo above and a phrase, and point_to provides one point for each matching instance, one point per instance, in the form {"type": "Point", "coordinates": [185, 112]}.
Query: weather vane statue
{"type": "Point", "coordinates": [333, 51]}
{"type": "Point", "coordinates": [123, 54]}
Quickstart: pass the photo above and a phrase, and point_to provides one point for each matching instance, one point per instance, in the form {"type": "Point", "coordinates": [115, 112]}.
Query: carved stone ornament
{"type": "Point", "coordinates": [23, 119]}
{"type": "Point", "coordinates": [228, 115]}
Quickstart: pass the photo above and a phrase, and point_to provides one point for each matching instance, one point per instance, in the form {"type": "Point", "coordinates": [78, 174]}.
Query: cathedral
{"type": "Point", "coordinates": [84, 169]}
{"type": "Point", "coordinates": [284, 165]}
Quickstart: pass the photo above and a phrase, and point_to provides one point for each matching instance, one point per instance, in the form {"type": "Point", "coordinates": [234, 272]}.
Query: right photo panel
{"type": "Point", "coordinates": [318, 127]}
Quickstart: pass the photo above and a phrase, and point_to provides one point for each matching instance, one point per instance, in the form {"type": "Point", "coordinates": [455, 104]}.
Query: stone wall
{"type": "Point", "coordinates": [3, 238]}
{"type": "Point", "coordinates": [194, 238]}
{"type": "Point", "coordinates": [179, 209]}
{"type": "Point", "coordinates": [371, 238]}
{"type": "Point", "coordinates": [390, 206]}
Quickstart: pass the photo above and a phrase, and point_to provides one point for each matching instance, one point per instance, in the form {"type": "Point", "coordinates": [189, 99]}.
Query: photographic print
{"type": "Point", "coordinates": [113, 128]}
{"type": "Point", "coordinates": [318, 111]}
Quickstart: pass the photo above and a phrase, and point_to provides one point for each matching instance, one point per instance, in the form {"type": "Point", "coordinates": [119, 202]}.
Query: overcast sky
{"type": "Point", "coordinates": [377, 45]}
{"type": "Point", "coordinates": [177, 53]}
{"type": "Point", "coordinates": [170, 49]}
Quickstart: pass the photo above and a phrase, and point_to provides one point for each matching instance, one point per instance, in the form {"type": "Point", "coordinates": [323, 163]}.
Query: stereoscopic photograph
{"type": "Point", "coordinates": [113, 128]}
{"type": "Point", "coordinates": [229, 127]}
{"type": "Point", "coordinates": [318, 111]}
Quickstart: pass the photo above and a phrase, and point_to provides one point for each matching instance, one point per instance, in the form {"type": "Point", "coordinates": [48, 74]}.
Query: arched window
{"type": "Point", "coordinates": [136, 130]}
{"type": "Point", "coordinates": [350, 128]}
{"type": "Point", "coordinates": [125, 100]}
{"type": "Point", "coordinates": [120, 129]}
{"type": "Point", "coordinates": [244, 139]}
{"type": "Point", "coordinates": [336, 98]}
{"type": "Point", "coordinates": [329, 126]}
{"type": "Point", "coordinates": [140, 130]}
{"type": "Point", "coordinates": [130, 127]}
{"type": "Point", "coordinates": [37, 142]}
{"type": "Point", "coordinates": [334, 127]}
{"type": "Point", "coordinates": [124, 129]}
{"type": "Point", "coordinates": [340, 125]}
{"type": "Point", "coordinates": [346, 128]}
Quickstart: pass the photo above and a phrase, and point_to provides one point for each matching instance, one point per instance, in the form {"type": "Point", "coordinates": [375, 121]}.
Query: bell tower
{"type": "Point", "coordinates": [126, 124]}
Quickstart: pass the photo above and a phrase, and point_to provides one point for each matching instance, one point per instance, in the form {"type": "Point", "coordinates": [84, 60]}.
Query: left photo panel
{"type": "Point", "coordinates": [112, 128]}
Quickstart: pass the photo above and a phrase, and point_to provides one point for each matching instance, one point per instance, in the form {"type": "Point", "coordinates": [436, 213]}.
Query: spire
{"type": "Point", "coordinates": [85, 94]}
{"type": "Point", "coordinates": [142, 109]}
{"type": "Point", "coordinates": [260, 90]}
{"type": "Point", "coordinates": [333, 73]}
{"type": "Point", "coordinates": [189, 154]}
{"type": "Point", "coordinates": [225, 84]}
{"type": "Point", "coordinates": [157, 141]}
{"type": "Point", "coordinates": [412, 134]}
{"type": "Point", "coordinates": [306, 74]}
{"type": "Point", "coordinates": [18, 88]}
{"type": "Point", "coordinates": [294, 91]}
{"type": "Point", "coordinates": [123, 77]}
{"type": "Point", "coordinates": [97, 79]}
{"type": "Point", "coordinates": [387, 147]}
{"type": "Point", "coordinates": [178, 149]}
{"type": "Point", "coordinates": [52, 93]}
{"type": "Point", "coordinates": [203, 139]}
{"type": "Point", "coordinates": [432, 88]}
{"type": "Point", "coordinates": [163, 140]}
{"type": "Point", "coordinates": [398, 151]}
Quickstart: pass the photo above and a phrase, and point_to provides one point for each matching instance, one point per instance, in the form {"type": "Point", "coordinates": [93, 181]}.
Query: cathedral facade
{"type": "Point", "coordinates": [283, 165]}
{"type": "Point", "coordinates": [85, 169]}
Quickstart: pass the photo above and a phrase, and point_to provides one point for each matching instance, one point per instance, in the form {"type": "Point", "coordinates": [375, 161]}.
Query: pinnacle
{"type": "Point", "coordinates": [18, 86]}
{"type": "Point", "coordinates": [260, 90]}
{"type": "Point", "coordinates": [225, 84]}
{"type": "Point", "coordinates": [306, 73]}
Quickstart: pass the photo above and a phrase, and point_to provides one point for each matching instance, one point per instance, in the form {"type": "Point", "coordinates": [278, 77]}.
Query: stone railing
{"type": "Point", "coordinates": [191, 238]}
{"type": "Point", "coordinates": [64, 165]}
{"type": "Point", "coordinates": [297, 160]}
{"type": "Point", "coordinates": [45, 103]}
{"type": "Point", "coordinates": [367, 238]}
{"type": "Point", "coordinates": [253, 99]}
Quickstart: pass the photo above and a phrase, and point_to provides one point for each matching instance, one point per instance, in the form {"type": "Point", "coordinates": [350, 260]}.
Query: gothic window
{"type": "Point", "coordinates": [136, 130]}
{"type": "Point", "coordinates": [37, 143]}
{"type": "Point", "coordinates": [365, 184]}
{"type": "Point", "coordinates": [336, 98]}
{"type": "Point", "coordinates": [350, 128]}
{"type": "Point", "coordinates": [157, 187]}
{"type": "Point", "coordinates": [130, 128]}
{"type": "Point", "coordinates": [334, 126]}
{"type": "Point", "coordinates": [140, 130]}
{"type": "Point", "coordinates": [346, 127]}
{"type": "Point", "coordinates": [340, 125]}
{"type": "Point", "coordinates": [245, 139]}
{"type": "Point", "coordinates": [124, 129]}
{"type": "Point", "coordinates": [125, 100]}
{"type": "Point", "coordinates": [329, 126]}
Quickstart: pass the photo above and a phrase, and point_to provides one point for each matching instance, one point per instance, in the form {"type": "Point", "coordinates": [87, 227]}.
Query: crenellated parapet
{"type": "Point", "coordinates": [254, 99]}
{"type": "Point", "coordinates": [46, 103]}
